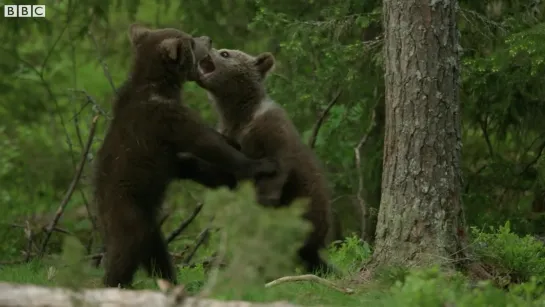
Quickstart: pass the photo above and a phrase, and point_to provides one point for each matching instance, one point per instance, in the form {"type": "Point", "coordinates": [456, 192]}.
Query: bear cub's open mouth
{"type": "Point", "coordinates": [206, 65]}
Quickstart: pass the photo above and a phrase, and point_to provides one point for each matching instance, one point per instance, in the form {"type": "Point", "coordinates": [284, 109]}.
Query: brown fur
{"type": "Point", "coordinates": [234, 81]}
{"type": "Point", "coordinates": [137, 159]}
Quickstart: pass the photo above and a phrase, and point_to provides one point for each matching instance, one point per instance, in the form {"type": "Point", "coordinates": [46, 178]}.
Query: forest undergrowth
{"type": "Point", "coordinates": [242, 243]}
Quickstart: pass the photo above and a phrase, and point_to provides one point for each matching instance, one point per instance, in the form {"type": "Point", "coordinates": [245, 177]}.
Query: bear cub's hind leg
{"type": "Point", "coordinates": [122, 261]}
{"type": "Point", "coordinates": [313, 262]}
{"type": "Point", "coordinates": [135, 239]}
{"type": "Point", "coordinates": [157, 261]}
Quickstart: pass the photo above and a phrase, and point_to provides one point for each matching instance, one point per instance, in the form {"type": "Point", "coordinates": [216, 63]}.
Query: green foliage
{"type": "Point", "coordinates": [257, 242]}
{"type": "Point", "coordinates": [71, 269]}
{"type": "Point", "coordinates": [432, 288]}
{"type": "Point", "coordinates": [514, 259]}
{"type": "Point", "coordinates": [501, 95]}
{"type": "Point", "coordinates": [350, 254]}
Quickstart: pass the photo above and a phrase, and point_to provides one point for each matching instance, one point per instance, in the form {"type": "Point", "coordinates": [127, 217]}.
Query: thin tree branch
{"type": "Point", "coordinates": [484, 128]}
{"type": "Point", "coordinates": [541, 148]}
{"type": "Point", "coordinates": [200, 240]}
{"type": "Point", "coordinates": [164, 218]}
{"type": "Point", "coordinates": [359, 194]}
{"type": "Point", "coordinates": [47, 87]}
{"type": "Point", "coordinates": [184, 224]}
{"type": "Point", "coordinates": [90, 100]}
{"type": "Point", "coordinates": [71, 188]}
{"type": "Point", "coordinates": [57, 229]}
{"type": "Point", "coordinates": [103, 62]}
{"type": "Point", "coordinates": [319, 122]}
{"type": "Point", "coordinates": [309, 277]}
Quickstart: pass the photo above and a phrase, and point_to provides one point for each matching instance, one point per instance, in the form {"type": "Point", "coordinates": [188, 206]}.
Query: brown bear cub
{"type": "Point", "coordinates": [235, 84]}
{"type": "Point", "coordinates": [138, 157]}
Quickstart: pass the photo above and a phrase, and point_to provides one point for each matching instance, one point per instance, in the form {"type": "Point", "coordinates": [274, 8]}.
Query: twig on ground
{"type": "Point", "coordinates": [309, 277]}
{"type": "Point", "coordinates": [200, 240]}
{"type": "Point", "coordinates": [103, 62]}
{"type": "Point", "coordinates": [71, 188]}
{"type": "Point", "coordinates": [320, 121]}
{"type": "Point", "coordinates": [359, 194]}
{"type": "Point", "coordinates": [184, 224]}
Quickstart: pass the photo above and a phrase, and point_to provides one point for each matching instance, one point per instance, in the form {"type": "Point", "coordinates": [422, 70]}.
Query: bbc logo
{"type": "Point", "coordinates": [24, 10]}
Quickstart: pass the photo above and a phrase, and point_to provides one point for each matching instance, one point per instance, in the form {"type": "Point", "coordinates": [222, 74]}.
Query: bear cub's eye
{"type": "Point", "coordinates": [224, 54]}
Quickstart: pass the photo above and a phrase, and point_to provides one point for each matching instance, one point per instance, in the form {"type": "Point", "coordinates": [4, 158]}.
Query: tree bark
{"type": "Point", "coordinates": [14, 295]}
{"type": "Point", "coordinates": [420, 220]}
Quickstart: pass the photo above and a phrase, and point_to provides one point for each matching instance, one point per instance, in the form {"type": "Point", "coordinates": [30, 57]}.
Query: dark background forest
{"type": "Point", "coordinates": [57, 73]}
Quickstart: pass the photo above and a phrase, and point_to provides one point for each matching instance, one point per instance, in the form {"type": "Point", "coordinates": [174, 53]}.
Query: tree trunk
{"type": "Point", "coordinates": [420, 220]}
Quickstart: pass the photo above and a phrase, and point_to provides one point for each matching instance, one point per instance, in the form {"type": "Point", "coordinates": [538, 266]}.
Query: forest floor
{"type": "Point", "coordinates": [305, 293]}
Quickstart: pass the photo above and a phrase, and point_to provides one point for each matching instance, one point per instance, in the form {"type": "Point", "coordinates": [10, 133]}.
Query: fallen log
{"type": "Point", "coordinates": [19, 295]}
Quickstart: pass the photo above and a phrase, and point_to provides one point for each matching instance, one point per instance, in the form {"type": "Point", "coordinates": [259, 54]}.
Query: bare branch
{"type": "Point", "coordinates": [50, 51]}
{"type": "Point", "coordinates": [200, 240]}
{"type": "Point", "coordinates": [309, 277]}
{"type": "Point", "coordinates": [90, 100]}
{"type": "Point", "coordinates": [102, 62]}
{"type": "Point", "coordinates": [47, 87]}
{"type": "Point", "coordinates": [71, 188]}
{"type": "Point", "coordinates": [57, 229]}
{"type": "Point", "coordinates": [359, 195]}
{"type": "Point", "coordinates": [184, 224]}
{"type": "Point", "coordinates": [484, 128]}
{"type": "Point", "coordinates": [319, 122]}
{"type": "Point", "coordinates": [541, 148]}
{"type": "Point", "coordinates": [164, 219]}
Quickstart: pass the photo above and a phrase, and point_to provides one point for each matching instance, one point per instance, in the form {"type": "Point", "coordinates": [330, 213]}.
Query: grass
{"type": "Point", "coordinates": [304, 293]}
{"type": "Point", "coordinates": [245, 227]}
{"type": "Point", "coordinates": [391, 288]}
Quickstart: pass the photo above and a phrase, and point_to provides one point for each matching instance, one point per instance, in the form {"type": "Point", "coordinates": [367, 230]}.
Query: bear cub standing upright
{"type": "Point", "coordinates": [137, 159]}
{"type": "Point", "coordinates": [235, 84]}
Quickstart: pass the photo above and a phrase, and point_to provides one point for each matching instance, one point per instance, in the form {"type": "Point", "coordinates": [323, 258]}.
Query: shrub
{"type": "Point", "coordinates": [511, 258]}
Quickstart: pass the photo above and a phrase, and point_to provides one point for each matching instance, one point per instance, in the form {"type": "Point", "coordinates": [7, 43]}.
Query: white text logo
{"type": "Point", "coordinates": [24, 10]}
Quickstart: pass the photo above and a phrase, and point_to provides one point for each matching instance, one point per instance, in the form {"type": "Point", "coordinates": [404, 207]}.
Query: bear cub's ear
{"type": "Point", "coordinates": [174, 48]}
{"type": "Point", "coordinates": [264, 62]}
{"type": "Point", "coordinates": [137, 32]}
{"type": "Point", "coordinates": [171, 47]}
